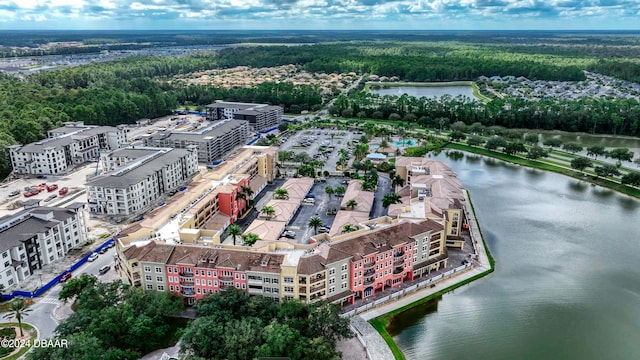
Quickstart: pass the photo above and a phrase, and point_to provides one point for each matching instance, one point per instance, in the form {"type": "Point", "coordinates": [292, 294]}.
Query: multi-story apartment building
{"type": "Point", "coordinates": [343, 271]}
{"type": "Point", "coordinates": [72, 144]}
{"type": "Point", "coordinates": [213, 142]}
{"type": "Point", "coordinates": [132, 189]}
{"type": "Point", "coordinates": [259, 116]}
{"type": "Point", "coordinates": [36, 237]}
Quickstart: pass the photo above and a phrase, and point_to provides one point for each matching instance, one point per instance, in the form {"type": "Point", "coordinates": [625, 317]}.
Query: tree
{"type": "Point", "coordinates": [632, 178]}
{"type": "Point", "coordinates": [514, 147]}
{"type": "Point", "coordinates": [580, 163]}
{"type": "Point", "coordinates": [621, 154]}
{"type": "Point", "coordinates": [315, 222]}
{"type": "Point", "coordinates": [360, 151]}
{"type": "Point", "coordinates": [18, 310]}
{"type": "Point", "coordinates": [247, 192]}
{"type": "Point", "coordinates": [283, 126]}
{"type": "Point", "coordinates": [391, 198]}
{"type": "Point", "coordinates": [596, 151]}
{"type": "Point", "coordinates": [235, 231]}
{"type": "Point", "coordinates": [281, 193]}
{"type": "Point", "coordinates": [536, 152]}
{"type": "Point", "coordinates": [250, 238]}
{"type": "Point", "coordinates": [495, 142]}
{"type": "Point", "coordinates": [572, 147]}
{"type": "Point", "coordinates": [329, 190]}
{"type": "Point", "coordinates": [459, 126]}
{"type": "Point", "coordinates": [457, 136]}
{"type": "Point", "coordinates": [348, 228]}
{"type": "Point", "coordinates": [397, 181]}
{"type": "Point", "coordinates": [340, 190]}
{"type": "Point", "coordinates": [475, 140]}
{"type": "Point", "coordinates": [606, 170]}
{"type": "Point", "coordinates": [531, 138]}
{"type": "Point", "coordinates": [268, 211]}
{"type": "Point", "coordinates": [552, 142]}
{"type": "Point", "coordinates": [76, 286]}
{"type": "Point", "coordinates": [351, 204]}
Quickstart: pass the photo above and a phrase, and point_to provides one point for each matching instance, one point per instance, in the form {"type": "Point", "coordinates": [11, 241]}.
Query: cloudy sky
{"type": "Point", "coordinates": [320, 14]}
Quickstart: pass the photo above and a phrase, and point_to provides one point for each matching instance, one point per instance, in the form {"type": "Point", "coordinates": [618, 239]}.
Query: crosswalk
{"type": "Point", "coordinates": [50, 300]}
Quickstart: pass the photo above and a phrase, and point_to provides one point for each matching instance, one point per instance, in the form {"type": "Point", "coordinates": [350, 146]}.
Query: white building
{"type": "Point", "coordinates": [147, 177]}
{"type": "Point", "coordinates": [36, 237]}
{"type": "Point", "coordinates": [72, 144]}
{"type": "Point", "coordinates": [259, 116]}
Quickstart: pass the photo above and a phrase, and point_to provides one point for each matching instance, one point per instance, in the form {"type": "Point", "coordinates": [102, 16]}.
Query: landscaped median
{"type": "Point", "coordinates": [382, 322]}
{"type": "Point", "coordinates": [537, 164]}
{"type": "Point", "coordinates": [13, 347]}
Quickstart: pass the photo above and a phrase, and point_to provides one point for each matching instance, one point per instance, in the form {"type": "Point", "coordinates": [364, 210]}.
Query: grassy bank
{"type": "Point", "coordinates": [624, 189]}
{"type": "Point", "coordinates": [26, 328]}
{"type": "Point", "coordinates": [382, 322]}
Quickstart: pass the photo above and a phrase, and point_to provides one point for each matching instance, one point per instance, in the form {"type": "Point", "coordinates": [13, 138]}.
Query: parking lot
{"type": "Point", "coordinates": [321, 144]}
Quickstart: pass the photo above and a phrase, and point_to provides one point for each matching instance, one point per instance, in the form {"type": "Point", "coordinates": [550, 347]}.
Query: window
{"type": "Point", "coordinates": [159, 278]}
{"type": "Point", "coordinates": [242, 276]}
{"type": "Point", "coordinates": [332, 271]}
{"type": "Point", "coordinates": [158, 269]}
{"type": "Point", "coordinates": [209, 282]}
{"type": "Point", "coordinates": [169, 269]}
{"type": "Point", "coordinates": [160, 287]}
{"type": "Point", "coordinates": [147, 268]}
{"type": "Point", "coordinates": [198, 290]}
{"type": "Point", "coordinates": [332, 280]}
{"type": "Point", "coordinates": [149, 287]}
{"type": "Point", "coordinates": [288, 279]}
{"type": "Point", "coordinates": [237, 276]}
{"type": "Point", "coordinates": [237, 285]}
{"type": "Point", "coordinates": [275, 281]}
{"type": "Point", "coordinates": [344, 267]}
{"type": "Point", "coordinates": [288, 289]}
{"type": "Point", "coordinates": [148, 277]}
{"type": "Point", "coordinates": [244, 286]}
{"type": "Point", "coordinates": [209, 274]}
{"type": "Point", "coordinates": [332, 290]}
{"type": "Point", "coordinates": [344, 276]}
{"type": "Point", "coordinates": [267, 280]}
{"type": "Point", "coordinates": [5, 254]}
{"type": "Point", "coordinates": [170, 287]}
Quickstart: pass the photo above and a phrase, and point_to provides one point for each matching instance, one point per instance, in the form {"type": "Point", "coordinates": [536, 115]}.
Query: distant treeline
{"type": "Point", "coordinates": [617, 117]}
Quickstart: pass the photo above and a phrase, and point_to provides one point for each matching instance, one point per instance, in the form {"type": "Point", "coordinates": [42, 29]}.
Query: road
{"type": "Point", "coordinates": [41, 315]}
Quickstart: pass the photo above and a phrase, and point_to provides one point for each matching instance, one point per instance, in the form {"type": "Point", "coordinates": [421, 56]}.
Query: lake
{"type": "Point", "coordinates": [567, 279]}
{"type": "Point", "coordinates": [427, 91]}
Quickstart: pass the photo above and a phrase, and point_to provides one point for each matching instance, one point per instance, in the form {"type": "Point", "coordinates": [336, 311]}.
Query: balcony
{"type": "Point", "coordinates": [302, 289]}
{"type": "Point", "coordinates": [398, 261]}
{"type": "Point", "coordinates": [318, 278]}
{"type": "Point", "coordinates": [225, 277]}
{"type": "Point", "coordinates": [186, 275]}
{"type": "Point", "coordinates": [188, 294]}
{"type": "Point", "coordinates": [318, 287]}
{"type": "Point", "coordinates": [186, 281]}
{"type": "Point", "coordinates": [302, 281]}
{"type": "Point", "coordinates": [398, 254]}
{"type": "Point", "coordinates": [368, 280]}
{"type": "Point", "coordinates": [226, 283]}
{"type": "Point", "coordinates": [369, 272]}
{"type": "Point", "coordinates": [369, 266]}
{"type": "Point", "coordinates": [398, 269]}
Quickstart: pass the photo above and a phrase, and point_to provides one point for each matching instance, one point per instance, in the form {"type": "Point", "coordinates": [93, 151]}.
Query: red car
{"type": "Point", "coordinates": [65, 277]}
{"type": "Point", "coordinates": [51, 188]}
{"type": "Point", "coordinates": [63, 191]}
{"type": "Point", "coordinates": [31, 193]}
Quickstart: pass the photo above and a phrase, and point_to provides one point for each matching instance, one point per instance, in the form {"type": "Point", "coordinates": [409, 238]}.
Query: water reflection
{"type": "Point", "coordinates": [557, 292]}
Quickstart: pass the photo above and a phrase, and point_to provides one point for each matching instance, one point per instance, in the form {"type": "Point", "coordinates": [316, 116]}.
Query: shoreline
{"type": "Point", "coordinates": [381, 317]}
{"type": "Point", "coordinates": [475, 89]}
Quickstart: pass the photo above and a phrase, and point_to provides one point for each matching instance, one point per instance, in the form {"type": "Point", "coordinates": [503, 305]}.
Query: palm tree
{"type": "Point", "coordinates": [234, 230]}
{"type": "Point", "coordinates": [315, 222]}
{"type": "Point", "coordinates": [352, 204]}
{"type": "Point", "coordinates": [268, 211]}
{"type": "Point", "coordinates": [250, 239]}
{"type": "Point", "coordinates": [329, 190]}
{"type": "Point", "coordinates": [360, 151]}
{"type": "Point", "coordinates": [391, 198]}
{"type": "Point", "coordinates": [397, 181]}
{"type": "Point", "coordinates": [348, 228]}
{"type": "Point", "coordinates": [339, 190]}
{"type": "Point", "coordinates": [281, 193]}
{"type": "Point", "coordinates": [18, 310]}
{"type": "Point", "coordinates": [247, 192]}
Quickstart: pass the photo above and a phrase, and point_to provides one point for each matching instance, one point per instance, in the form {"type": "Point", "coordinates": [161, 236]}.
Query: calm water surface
{"type": "Point", "coordinates": [427, 91]}
{"type": "Point", "coordinates": [567, 279]}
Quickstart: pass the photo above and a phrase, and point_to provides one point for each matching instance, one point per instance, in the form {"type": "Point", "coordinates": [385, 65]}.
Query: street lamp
{"type": "Point", "coordinates": [39, 272]}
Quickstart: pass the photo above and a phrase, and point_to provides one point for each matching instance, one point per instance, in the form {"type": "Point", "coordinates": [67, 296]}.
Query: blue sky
{"type": "Point", "coordinates": [321, 14]}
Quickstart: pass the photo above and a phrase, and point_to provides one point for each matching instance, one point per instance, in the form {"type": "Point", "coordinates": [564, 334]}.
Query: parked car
{"type": "Point", "coordinates": [51, 197]}
{"type": "Point", "coordinates": [111, 244]}
{"type": "Point", "coordinates": [309, 201]}
{"type": "Point", "coordinates": [103, 270]}
{"type": "Point", "coordinates": [14, 193]}
{"type": "Point", "coordinates": [63, 191]}
{"type": "Point", "coordinates": [323, 229]}
{"type": "Point", "coordinates": [52, 187]}
{"type": "Point", "coordinates": [65, 277]}
{"type": "Point", "coordinates": [289, 234]}
{"type": "Point", "coordinates": [93, 257]}
{"type": "Point", "coordinates": [31, 193]}
{"type": "Point", "coordinates": [310, 195]}
{"type": "Point", "coordinates": [103, 250]}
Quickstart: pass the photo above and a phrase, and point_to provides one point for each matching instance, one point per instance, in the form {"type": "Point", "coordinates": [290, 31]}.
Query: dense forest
{"type": "Point", "coordinates": [125, 90]}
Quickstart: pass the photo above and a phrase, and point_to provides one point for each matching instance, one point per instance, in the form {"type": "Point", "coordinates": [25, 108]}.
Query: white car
{"type": "Point", "coordinates": [93, 257]}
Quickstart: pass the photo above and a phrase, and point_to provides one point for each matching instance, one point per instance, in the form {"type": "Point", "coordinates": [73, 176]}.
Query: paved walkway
{"type": "Point", "coordinates": [377, 348]}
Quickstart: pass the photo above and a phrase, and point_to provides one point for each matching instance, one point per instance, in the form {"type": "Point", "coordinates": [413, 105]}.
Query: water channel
{"type": "Point", "coordinates": [567, 279]}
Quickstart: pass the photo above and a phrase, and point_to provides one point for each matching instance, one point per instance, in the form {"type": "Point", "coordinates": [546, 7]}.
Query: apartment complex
{"type": "Point", "coordinates": [213, 142]}
{"type": "Point", "coordinates": [341, 271]}
{"type": "Point", "coordinates": [142, 181]}
{"type": "Point", "coordinates": [259, 116]}
{"type": "Point", "coordinates": [36, 237]}
{"type": "Point", "coordinates": [215, 199]}
{"type": "Point", "coordinates": [72, 144]}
